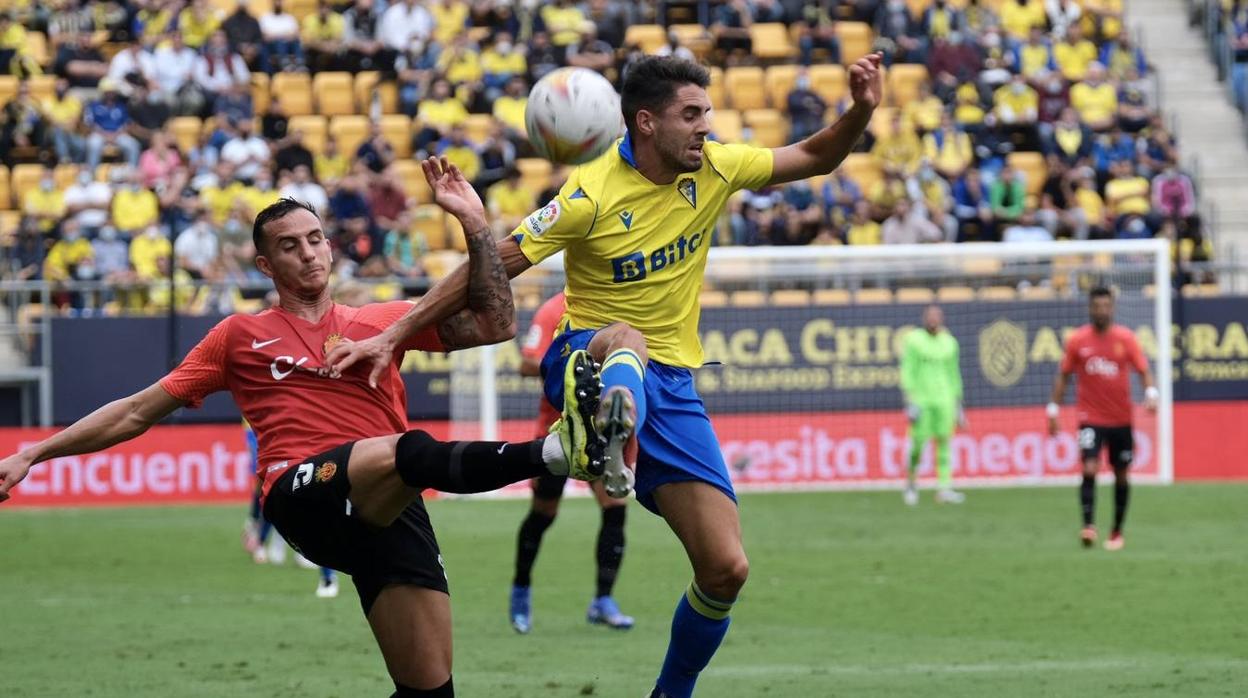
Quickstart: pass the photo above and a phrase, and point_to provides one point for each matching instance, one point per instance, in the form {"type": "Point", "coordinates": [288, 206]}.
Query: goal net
{"type": "Point", "coordinates": [803, 344]}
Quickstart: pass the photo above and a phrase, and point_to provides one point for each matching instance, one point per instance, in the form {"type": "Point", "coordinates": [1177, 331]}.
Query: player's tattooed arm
{"type": "Point", "coordinates": [490, 314]}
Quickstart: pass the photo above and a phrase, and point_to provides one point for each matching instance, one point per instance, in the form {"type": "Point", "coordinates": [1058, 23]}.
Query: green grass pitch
{"type": "Point", "coordinates": [849, 595]}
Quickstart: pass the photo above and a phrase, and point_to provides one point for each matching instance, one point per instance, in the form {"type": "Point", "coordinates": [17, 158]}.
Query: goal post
{"type": "Point", "coordinates": [802, 348]}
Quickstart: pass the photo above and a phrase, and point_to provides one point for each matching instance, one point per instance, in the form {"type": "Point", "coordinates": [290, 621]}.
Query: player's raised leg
{"type": "Point", "coordinates": [621, 352]}
{"type": "Point", "coordinates": [705, 520]}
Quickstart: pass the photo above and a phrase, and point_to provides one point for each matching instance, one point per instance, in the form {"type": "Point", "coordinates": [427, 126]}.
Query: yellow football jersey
{"type": "Point", "coordinates": [635, 251]}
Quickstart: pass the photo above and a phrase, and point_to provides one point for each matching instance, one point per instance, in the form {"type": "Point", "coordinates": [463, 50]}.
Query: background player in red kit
{"type": "Point", "coordinates": [1102, 354]}
{"type": "Point", "coordinates": [548, 490]}
{"type": "Point", "coordinates": [341, 475]}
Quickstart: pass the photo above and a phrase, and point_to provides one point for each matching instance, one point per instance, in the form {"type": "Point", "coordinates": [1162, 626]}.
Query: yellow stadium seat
{"type": "Point", "coordinates": [1037, 293]}
{"type": "Point", "coordinates": [914, 295]}
{"type": "Point", "coordinates": [955, 294]}
{"type": "Point", "coordinates": [534, 173]}
{"type": "Point", "coordinates": [863, 169]}
{"type": "Point", "coordinates": [369, 82]}
{"type": "Point", "coordinates": [780, 81]}
{"type": "Point", "coordinates": [185, 130]}
{"type": "Point", "coordinates": [748, 299]}
{"type": "Point", "coordinates": [37, 48]}
{"type": "Point", "coordinates": [855, 38]}
{"type": "Point", "coordinates": [648, 37]}
{"type": "Point", "coordinates": [903, 83]}
{"type": "Point", "coordinates": [260, 97]}
{"type": "Point", "coordinates": [1200, 290]}
{"type": "Point", "coordinates": [478, 127]}
{"type": "Point", "coordinates": [294, 91]}
{"type": "Point", "coordinates": [64, 175]}
{"type": "Point", "coordinates": [716, 90]}
{"type": "Point", "coordinates": [300, 8]}
{"type": "Point", "coordinates": [314, 129]}
{"type": "Point", "coordinates": [726, 125]}
{"type": "Point", "coordinates": [982, 266]}
{"type": "Point", "coordinates": [694, 37]}
{"type": "Point", "coordinates": [1033, 167]}
{"type": "Point", "coordinates": [349, 131]}
{"type": "Point", "coordinates": [412, 180]}
{"type": "Point", "coordinates": [770, 41]}
{"type": "Point", "coordinates": [42, 87]}
{"type": "Point", "coordinates": [745, 88]}
{"type": "Point", "coordinates": [8, 88]}
{"type": "Point", "coordinates": [9, 222]}
{"type": "Point", "coordinates": [790, 297]}
{"type": "Point", "coordinates": [6, 198]}
{"type": "Point", "coordinates": [996, 293]}
{"type": "Point", "coordinates": [397, 130]}
{"type": "Point", "coordinates": [713, 299]}
{"type": "Point", "coordinates": [333, 92]}
{"type": "Point", "coordinates": [830, 82]}
{"type": "Point", "coordinates": [831, 296]}
{"type": "Point", "coordinates": [770, 127]}
{"type": "Point", "coordinates": [873, 296]}
{"type": "Point", "coordinates": [24, 178]}
{"type": "Point", "coordinates": [427, 219]}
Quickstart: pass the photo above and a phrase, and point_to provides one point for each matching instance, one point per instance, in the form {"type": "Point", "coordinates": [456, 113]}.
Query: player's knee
{"type": "Point", "coordinates": [411, 452]}
{"type": "Point", "coordinates": [1090, 467]}
{"type": "Point", "coordinates": [619, 336]}
{"type": "Point", "coordinates": [726, 577]}
{"type": "Point", "coordinates": [546, 507]}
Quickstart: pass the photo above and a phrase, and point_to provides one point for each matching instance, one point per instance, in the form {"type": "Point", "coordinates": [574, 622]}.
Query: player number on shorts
{"type": "Point", "coordinates": [302, 476]}
{"type": "Point", "coordinates": [1087, 438]}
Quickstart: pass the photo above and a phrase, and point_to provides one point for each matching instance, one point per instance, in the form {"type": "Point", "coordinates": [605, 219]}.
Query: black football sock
{"type": "Point", "coordinates": [528, 541]}
{"type": "Point", "coordinates": [446, 690]}
{"type": "Point", "coordinates": [463, 467]}
{"type": "Point", "coordinates": [610, 548]}
{"type": "Point", "coordinates": [1087, 499]}
{"type": "Point", "coordinates": [1122, 494]}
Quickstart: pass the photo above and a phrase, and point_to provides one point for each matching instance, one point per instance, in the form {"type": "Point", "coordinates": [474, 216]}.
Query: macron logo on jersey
{"type": "Point", "coordinates": [633, 267]}
{"type": "Point", "coordinates": [1101, 366]}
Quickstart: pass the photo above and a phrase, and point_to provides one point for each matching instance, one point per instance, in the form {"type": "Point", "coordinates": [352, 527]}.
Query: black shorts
{"type": "Point", "coordinates": [308, 505]}
{"type": "Point", "coordinates": [549, 486]}
{"type": "Point", "coordinates": [1119, 441]}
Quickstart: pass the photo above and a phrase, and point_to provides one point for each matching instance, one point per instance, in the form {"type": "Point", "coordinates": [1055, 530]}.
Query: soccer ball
{"type": "Point", "coordinates": [573, 115]}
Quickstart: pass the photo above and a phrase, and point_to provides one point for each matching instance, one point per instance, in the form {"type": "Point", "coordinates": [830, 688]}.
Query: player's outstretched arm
{"type": "Point", "coordinates": [119, 420]}
{"type": "Point", "coordinates": [824, 151]}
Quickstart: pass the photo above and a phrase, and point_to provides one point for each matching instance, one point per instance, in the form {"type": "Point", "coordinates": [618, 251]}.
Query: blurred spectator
{"type": "Point", "coordinates": [1156, 149]}
{"type": "Point", "coordinates": [330, 166]}
{"type": "Point", "coordinates": [1067, 138]}
{"type": "Point", "coordinates": [509, 108]}
{"type": "Point", "coordinates": [1102, 18]}
{"type": "Point", "coordinates": [806, 109]}
{"type": "Point", "coordinates": [900, 36]}
{"type": "Point", "coordinates": [731, 28]}
{"type": "Point", "coordinates": [348, 201]}
{"type": "Point", "coordinates": [509, 201]}
{"type": "Point", "coordinates": [968, 114]}
{"type": "Point", "coordinates": [405, 24]}
{"type": "Point", "coordinates": [611, 18]}
{"type": "Point", "coordinates": [899, 149]}
{"type": "Point", "coordinates": [1111, 148]}
{"type": "Point", "coordinates": [1054, 97]}
{"type": "Point", "coordinates": [63, 112]}
{"type": "Point", "coordinates": [818, 31]}
{"type": "Point", "coordinates": [1063, 14]}
{"type": "Point", "coordinates": [1238, 38]}
{"type": "Point", "coordinates": [924, 110]}
{"type": "Point", "coordinates": [588, 51]}
{"type": "Point", "coordinates": [197, 248]}
{"type": "Point", "coordinates": [386, 200]}
{"type": "Point", "coordinates": [234, 104]}
{"type": "Point", "coordinates": [948, 149]}
{"type": "Point", "coordinates": [461, 152]}
{"type": "Point", "coordinates": [1054, 212]}
{"type": "Point", "coordinates": [1095, 99]}
{"type": "Point", "coordinates": [354, 240]}
{"type": "Point", "coordinates": [365, 51]}
{"type": "Point", "coordinates": [497, 154]}
{"type": "Point", "coordinates": [275, 124]}
{"type": "Point", "coordinates": [301, 187]}
{"type": "Point", "coordinates": [1035, 58]}
{"type": "Point", "coordinates": [1126, 193]}
{"type": "Point", "coordinates": [940, 20]}
{"type": "Point", "coordinates": [438, 114]}
{"type": "Point", "coordinates": [107, 119]}
{"type": "Point", "coordinates": [1026, 229]}
{"type": "Point", "coordinates": [324, 38]}
{"type": "Point", "coordinates": [148, 115]}
{"type": "Point", "coordinates": [134, 64]}
{"type": "Point", "coordinates": [1016, 104]}
{"type": "Point", "coordinates": [69, 258]}
{"type": "Point", "coordinates": [89, 201]}
{"type": "Point", "coordinates": [154, 20]}
{"type": "Point", "coordinates": [175, 70]}
{"type": "Point", "coordinates": [197, 23]}
{"type": "Point", "coordinates": [245, 151]}
{"type": "Point", "coordinates": [972, 208]}
{"type": "Point", "coordinates": [1008, 194]}
{"type": "Point", "coordinates": [460, 63]}
{"type": "Point", "coordinates": [861, 230]}
{"type": "Point", "coordinates": [952, 62]}
{"type": "Point", "coordinates": [260, 195]}
{"type": "Point", "coordinates": [145, 252]}
{"type": "Point", "coordinates": [1134, 113]}
{"type": "Point", "coordinates": [218, 70]}
{"type": "Point", "coordinates": [45, 204]}
{"type": "Point", "coordinates": [908, 225]}
{"type": "Point", "coordinates": [1018, 17]}
{"type": "Point", "coordinates": [840, 197]}
{"type": "Point", "coordinates": [501, 62]}
{"type": "Point", "coordinates": [375, 153]}
{"type": "Point", "coordinates": [112, 256]}
{"type": "Point", "coordinates": [885, 194]}
{"type": "Point", "coordinates": [12, 41]}
{"type": "Point", "coordinates": [1089, 204]}
{"type": "Point", "coordinates": [543, 57]}
{"type": "Point", "coordinates": [1074, 55]}
{"type": "Point", "coordinates": [244, 34]}
{"type": "Point", "coordinates": [449, 18]}
{"type": "Point", "coordinates": [134, 207]}
{"type": "Point", "coordinates": [218, 195]}
{"type": "Point", "coordinates": [28, 254]}
{"type": "Point", "coordinates": [80, 62]}
{"type": "Point", "coordinates": [1121, 57]}
{"type": "Point", "coordinates": [563, 20]}
{"type": "Point", "coordinates": [22, 126]}
{"type": "Point", "coordinates": [403, 247]}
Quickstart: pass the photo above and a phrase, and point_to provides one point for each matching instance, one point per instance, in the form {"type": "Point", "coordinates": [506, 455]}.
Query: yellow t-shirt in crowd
{"type": "Point", "coordinates": [195, 31]}
{"type": "Point", "coordinates": [63, 255]}
{"type": "Point", "coordinates": [220, 200]}
{"type": "Point", "coordinates": [329, 169]}
{"type": "Point", "coordinates": [449, 20]}
{"type": "Point", "coordinates": [1094, 104]}
{"type": "Point", "coordinates": [1073, 59]}
{"type": "Point", "coordinates": [510, 111]}
{"type": "Point", "coordinates": [1127, 195]}
{"type": "Point", "coordinates": [135, 210]}
{"type": "Point", "coordinates": [332, 29]}
{"type": "Point", "coordinates": [563, 24]}
{"type": "Point", "coordinates": [38, 202]}
{"type": "Point", "coordinates": [63, 112]}
{"type": "Point", "coordinates": [495, 63]}
{"type": "Point", "coordinates": [462, 66]}
{"type": "Point", "coordinates": [864, 234]}
{"type": "Point", "coordinates": [1091, 203]}
{"type": "Point", "coordinates": [506, 200]}
{"type": "Point", "coordinates": [1017, 20]}
{"type": "Point", "coordinates": [441, 114]}
{"type": "Point", "coordinates": [144, 251]}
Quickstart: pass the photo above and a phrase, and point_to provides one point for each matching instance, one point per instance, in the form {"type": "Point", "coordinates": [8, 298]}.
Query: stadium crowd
{"type": "Point", "coordinates": [136, 132]}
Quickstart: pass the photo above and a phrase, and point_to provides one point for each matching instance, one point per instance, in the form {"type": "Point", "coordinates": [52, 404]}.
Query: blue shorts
{"type": "Point", "coordinates": [676, 443]}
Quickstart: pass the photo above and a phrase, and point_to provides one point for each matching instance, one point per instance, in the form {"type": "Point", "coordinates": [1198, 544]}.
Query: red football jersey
{"type": "Point", "coordinates": [1102, 361]}
{"type": "Point", "coordinates": [269, 363]}
{"type": "Point", "coordinates": [538, 339]}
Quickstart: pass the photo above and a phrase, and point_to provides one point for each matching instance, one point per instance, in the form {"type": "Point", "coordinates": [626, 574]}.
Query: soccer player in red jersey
{"type": "Point", "coordinates": [342, 476]}
{"type": "Point", "coordinates": [548, 490]}
{"type": "Point", "coordinates": [1101, 354]}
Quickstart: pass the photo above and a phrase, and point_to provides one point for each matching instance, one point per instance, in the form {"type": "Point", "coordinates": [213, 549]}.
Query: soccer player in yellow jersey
{"type": "Point", "coordinates": [635, 225]}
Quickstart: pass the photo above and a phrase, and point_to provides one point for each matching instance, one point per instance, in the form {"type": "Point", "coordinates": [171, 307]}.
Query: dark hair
{"type": "Point", "coordinates": [1100, 292]}
{"type": "Point", "coordinates": [277, 210]}
{"type": "Point", "coordinates": [651, 84]}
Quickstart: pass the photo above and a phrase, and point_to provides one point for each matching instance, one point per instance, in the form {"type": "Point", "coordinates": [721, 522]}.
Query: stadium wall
{"type": "Point", "coordinates": [834, 450]}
